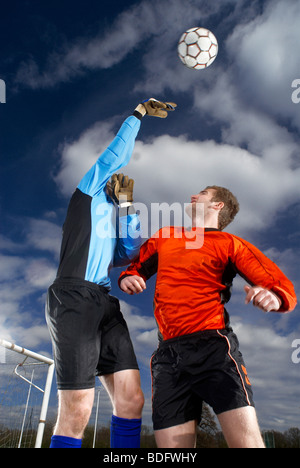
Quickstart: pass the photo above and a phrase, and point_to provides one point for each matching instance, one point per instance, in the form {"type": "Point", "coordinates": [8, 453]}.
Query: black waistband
{"type": "Point", "coordinates": [79, 282]}
{"type": "Point", "coordinates": [204, 334]}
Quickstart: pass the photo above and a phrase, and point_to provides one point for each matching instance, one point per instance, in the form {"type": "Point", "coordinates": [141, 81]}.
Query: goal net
{"type": "Point", "coordinates": [25, 385]}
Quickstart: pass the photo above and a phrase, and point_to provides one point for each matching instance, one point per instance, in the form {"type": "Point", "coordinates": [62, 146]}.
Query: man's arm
{"type": "Point", "coordinates": [269, 288]}
{"type": "Point", "coordinates": [120, 191]}
{"type": "Point", "coordinates": [129, 238]}
{"type": "Point", "coordinates": [118, 153]}
{"type": "Point", "coordinates": [115, 156]}
{"type": "Point", "coordinates": [133, 279]}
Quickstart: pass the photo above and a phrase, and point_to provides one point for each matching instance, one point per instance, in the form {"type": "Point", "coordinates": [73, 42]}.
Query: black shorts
{"type": "Point", "coordinates": [202, 367]}
{"type": "Point", "coordinates": [89, 334]}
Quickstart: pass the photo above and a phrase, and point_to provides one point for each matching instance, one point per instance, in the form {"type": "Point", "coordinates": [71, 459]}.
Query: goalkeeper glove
{"type": "Point", "coordinates": [155, 108]}
{"type": "Point", "coordinates": [120, 190]}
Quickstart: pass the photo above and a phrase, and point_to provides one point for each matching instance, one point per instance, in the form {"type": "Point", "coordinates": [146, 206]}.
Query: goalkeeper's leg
{"type": "Point", "coordinates": [74, 410]}
{"type": "Point", "coordinates": [127, 399]}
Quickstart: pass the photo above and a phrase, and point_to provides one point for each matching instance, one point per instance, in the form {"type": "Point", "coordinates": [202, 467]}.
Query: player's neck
{"type": "Point", "coordinates": [209, 221]}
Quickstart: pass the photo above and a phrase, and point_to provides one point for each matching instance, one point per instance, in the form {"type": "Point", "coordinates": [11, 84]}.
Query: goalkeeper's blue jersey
{"type": "Point", "coordinates": [95, 237]}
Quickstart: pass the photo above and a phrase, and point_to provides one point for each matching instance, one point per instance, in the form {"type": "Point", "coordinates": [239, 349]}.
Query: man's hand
{"type": "Point", "coordinates": [262, 298]}
{"type": "Point", "coordinates": [132, 284]}
{"type": "Point", "coordinates": [120, 189]}
{"type": "Point", "coordinates": [155, 108]}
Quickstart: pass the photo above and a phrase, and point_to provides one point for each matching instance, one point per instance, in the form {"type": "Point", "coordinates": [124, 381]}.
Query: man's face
{"type": "Point", "coordinates": [204, 197]}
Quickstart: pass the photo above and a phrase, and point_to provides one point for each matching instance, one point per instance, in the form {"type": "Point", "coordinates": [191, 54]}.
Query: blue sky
{"type": "Point", "coordinates": [73, 72]}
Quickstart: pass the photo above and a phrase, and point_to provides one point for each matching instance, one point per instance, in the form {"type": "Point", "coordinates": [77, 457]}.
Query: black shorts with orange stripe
{"type": "Point", "coordinates": [203, 367]}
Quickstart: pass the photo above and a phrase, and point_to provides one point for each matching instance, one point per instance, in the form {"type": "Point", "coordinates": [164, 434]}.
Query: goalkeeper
{"type": "Point", "coordinates": [89, 334]}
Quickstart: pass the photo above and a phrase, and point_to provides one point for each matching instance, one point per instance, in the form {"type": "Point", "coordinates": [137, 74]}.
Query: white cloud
{"type": "Point", "coordinates": [273, 375]}
{"type": "Point", "coordinates": [143, 332]}
{"type": "Point", "coordinates": [185, 167]}
{"type": "Point", "coordinates": [18, 320]}
{"type": "Point", "coordinates": [7, 244]}
{"type": "Point", "coordinates": [242, 123]}
{"type": "Point", "coordinates": [247, 92]}
{"type": "Point", "coordinates": [43, 235]}
{"type": "Point", "coordinates": [178, 168]}
{"type": "Point", "coordinates": [24, 279]}
{"type": "Point", "coordinates": [11, 267]}
{"type": "Point", "coordinates": [40, 273]}
{"type": "Point", "coordinates": [265, 60]}
{"type": "Point", "coordinates": [145, 26]}
{"type": "Point", "coordinates": [33, 337]}
{"type": "Point", "coordinates": [78, 156]}
{"type": "Point", "coordinates": [109, 47]}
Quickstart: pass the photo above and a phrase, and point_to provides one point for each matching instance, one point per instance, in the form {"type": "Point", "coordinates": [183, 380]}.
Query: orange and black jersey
{"type": "Point", "coordinates": [193, 284]}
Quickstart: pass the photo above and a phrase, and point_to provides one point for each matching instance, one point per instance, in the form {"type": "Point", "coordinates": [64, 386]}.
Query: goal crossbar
{"type": "Point", "coordinates": [47, 390]}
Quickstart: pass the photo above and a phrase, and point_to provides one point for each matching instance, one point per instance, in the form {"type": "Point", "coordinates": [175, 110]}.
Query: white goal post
{"type": "Point", "coordinates": [47, 386]}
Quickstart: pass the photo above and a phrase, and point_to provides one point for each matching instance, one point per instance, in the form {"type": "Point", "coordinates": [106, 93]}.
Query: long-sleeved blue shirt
{"type": "Point", "coordinates": [95, 237]}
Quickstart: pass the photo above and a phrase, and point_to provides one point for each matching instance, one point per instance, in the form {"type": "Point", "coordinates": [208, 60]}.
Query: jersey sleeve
{"type": "Point", "coordinates": [128, 241]}
{"type": "Point", "coordinates": [116, 155]}
{"type": "Point", "coordinates": [259, 270]}
{"type": "Point", "coordinates": [146, 262]}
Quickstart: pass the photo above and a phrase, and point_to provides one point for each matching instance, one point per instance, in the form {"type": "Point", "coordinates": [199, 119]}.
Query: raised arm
{"type": "Point", "coordinates": [115, 156]}
{"type": "Point", "coordinates": [118, 153]}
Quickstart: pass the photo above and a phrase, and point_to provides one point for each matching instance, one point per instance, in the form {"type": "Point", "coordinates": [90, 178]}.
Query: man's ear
{"type": "Point", "coordinates": [218, 205]}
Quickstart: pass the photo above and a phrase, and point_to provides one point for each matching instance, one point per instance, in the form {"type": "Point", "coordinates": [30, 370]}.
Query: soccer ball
{"type": "Point", "coordinates": [197, 48]}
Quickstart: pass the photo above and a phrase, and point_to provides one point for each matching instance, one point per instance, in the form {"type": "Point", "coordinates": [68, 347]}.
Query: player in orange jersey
{"type": "Point", "coordinates": [198, 357]}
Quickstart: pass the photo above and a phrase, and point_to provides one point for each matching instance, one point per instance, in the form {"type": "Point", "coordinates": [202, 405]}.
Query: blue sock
{"type": "Point", "coordinates": [125, 433]}
{"type": "Point", "coordinates": [58, 441]}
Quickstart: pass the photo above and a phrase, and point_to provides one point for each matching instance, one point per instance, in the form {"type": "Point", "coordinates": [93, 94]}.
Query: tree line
{"type": "Point", "coordinates": [208, 436]}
